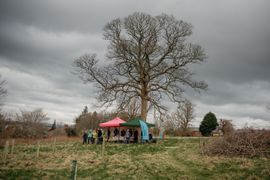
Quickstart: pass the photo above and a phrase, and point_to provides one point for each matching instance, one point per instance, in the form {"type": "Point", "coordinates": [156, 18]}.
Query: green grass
{"type": "Point", "coordinates": [174, 158]}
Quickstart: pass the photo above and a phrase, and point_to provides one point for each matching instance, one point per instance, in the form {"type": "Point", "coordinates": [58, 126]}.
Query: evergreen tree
{"type": "Point", "coordinates": [85, 110]}
{"type": "Point", "coordinates": [208, 124]}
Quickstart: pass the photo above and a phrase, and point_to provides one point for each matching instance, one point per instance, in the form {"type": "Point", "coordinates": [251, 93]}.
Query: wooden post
{"type": "Point", "coordinates": [103, 146]}
{"type": "Point", "coordinates": [6, 151]}
{"type": "Point", "coordinates": [73, 170]}
{"type": "Point", "coordinates": [12, 145]}
{"type": "Point", "coordinates": [38, 147]}
{"type": "Point", "coordinates": [54, 142]}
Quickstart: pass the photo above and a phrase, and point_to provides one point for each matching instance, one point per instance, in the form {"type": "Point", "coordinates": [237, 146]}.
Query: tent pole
{"type": "Point", "coordinates": [119, 135]}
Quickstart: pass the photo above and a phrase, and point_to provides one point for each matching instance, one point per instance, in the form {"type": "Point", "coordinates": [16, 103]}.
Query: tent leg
{"type": "Point", "coordinates": [119, 135]}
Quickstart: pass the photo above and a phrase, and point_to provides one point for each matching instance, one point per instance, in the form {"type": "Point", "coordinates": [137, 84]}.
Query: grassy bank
{"type": "Point", "coordinates": [175, 158]}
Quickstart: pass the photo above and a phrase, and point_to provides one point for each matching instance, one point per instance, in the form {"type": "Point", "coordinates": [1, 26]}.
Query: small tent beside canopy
{"type": "Point", "coordinates": [142, 124]}
{"type": "Point", "coordinates": [136, 123]}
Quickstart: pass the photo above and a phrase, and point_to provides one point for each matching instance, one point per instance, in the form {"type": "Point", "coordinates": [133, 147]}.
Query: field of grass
{"type": "Point", "coordinates": [173, 158]}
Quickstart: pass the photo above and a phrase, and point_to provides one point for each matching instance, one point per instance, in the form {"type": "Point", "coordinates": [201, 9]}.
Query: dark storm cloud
{"type": "Point", "coordinates": [54, 15]}
{"type": "Point", "coordinates": [40, 39]}
{"type": "Point", "coordinates": [67, 15]}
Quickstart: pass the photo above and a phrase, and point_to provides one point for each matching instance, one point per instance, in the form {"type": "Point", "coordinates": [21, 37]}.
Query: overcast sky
{"type": "Point", "coordinates": [40, 39]}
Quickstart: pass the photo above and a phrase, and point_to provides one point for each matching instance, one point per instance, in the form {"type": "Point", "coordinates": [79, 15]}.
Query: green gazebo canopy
{"type": "Point", "coordinates": [136, 123]}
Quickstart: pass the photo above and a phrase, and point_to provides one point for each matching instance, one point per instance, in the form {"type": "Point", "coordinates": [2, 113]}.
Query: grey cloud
{"type": "Point", "coordinates": [53, 15]}
{"type": "Point", "coordinates": [224, 92]}
{"type": "Point", "coordinates": [28, 92]}
{"type": "Point", "coordinates": [66, 15]}
{"type": "Point", "coordinates": [40, 39]}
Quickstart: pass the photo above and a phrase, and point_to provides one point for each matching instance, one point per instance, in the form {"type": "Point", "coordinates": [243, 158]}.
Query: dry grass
{"type": "Point", "coordinates": [172, 159]}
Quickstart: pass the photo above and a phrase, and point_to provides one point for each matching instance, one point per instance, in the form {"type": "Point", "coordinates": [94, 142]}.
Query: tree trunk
{"type": "Point", "coordinates": [144, 108]}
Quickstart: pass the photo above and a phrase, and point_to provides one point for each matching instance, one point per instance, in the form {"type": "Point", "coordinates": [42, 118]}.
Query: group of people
{"type": "Point", "coordinates": [97, 136]}
{"type": "Point", "coordinates": [93, 136]}
{"type": "Point", "coordinates": [126, 135]}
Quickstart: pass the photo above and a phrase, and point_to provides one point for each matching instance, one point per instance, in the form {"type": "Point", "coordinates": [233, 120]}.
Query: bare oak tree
{"type": "Point", "coordinates": [184, 115]}
{"type": "Point", "coordinates": [148, 58]}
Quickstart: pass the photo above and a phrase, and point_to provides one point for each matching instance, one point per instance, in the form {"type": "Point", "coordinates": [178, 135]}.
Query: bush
{"type": "Point", "coordinates": [70, 131]}
{"type": "Point", "coordinates": [226, 126]}
{"type": "Point", "coordinates": [246, 142]}
{"type": "Point", "coordinates": [208, 124]}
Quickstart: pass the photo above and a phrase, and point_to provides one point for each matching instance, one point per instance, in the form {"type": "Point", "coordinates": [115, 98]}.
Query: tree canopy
{"type": "Point", "coordinates": [148, 59]}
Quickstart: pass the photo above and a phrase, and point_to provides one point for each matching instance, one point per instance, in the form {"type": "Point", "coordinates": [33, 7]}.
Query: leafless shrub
{"type": "Point", "coordinates": [178, 123]}
{"type": "Point", "coordinates": [226, 126]}
{"type": "Point", "coordinates": [245, 142]}
{"type": "Point", "coordinates": [27, 124]}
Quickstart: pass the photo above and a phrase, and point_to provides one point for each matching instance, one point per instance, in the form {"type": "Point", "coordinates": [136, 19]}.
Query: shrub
{"type": "Point", "coordinates": [226, 126]}
{"type": "Point", "coordinates": [70, 131]}
{"type": "Point", "coordinates": [245, 142]}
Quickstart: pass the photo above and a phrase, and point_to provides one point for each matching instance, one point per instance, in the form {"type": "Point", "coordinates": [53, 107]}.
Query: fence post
{"type": "Point", "coordinates": [12, 145]}
{"type": "Point", "coordinates": [38, 146]}
{"type": "Point", "coordinates": [6, 151]}
{"type": "Point", "coordinates": [73, 170]}
{"type": "Point", "coordinates": [54, 142]}
{"type": "Point", "coordinates": [103, 148]}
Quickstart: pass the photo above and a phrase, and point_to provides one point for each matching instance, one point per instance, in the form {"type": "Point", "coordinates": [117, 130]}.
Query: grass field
{"type": "Point", "coordinates": [173, 158]}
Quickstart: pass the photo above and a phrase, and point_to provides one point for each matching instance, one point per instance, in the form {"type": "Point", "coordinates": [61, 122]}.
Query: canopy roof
{"type": "Point", "coordinates": [136, 123]}
{"type": "Point", "coordinates": [112, 123]}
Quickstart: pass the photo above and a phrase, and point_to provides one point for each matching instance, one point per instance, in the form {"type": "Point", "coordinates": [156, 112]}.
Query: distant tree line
{"type": "Point", "coordinates": [91, 120]}
{"type": "Point", "coordinates": [26, 124]}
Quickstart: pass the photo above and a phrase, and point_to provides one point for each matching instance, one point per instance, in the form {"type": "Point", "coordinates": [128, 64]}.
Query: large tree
{"type": "Point", "coordinates": [148, 58]}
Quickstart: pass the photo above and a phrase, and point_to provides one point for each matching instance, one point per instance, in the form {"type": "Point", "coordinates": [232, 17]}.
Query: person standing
{"type": "Point", "coordinates": [116, 132]}
{"type": "Point", "coordinates": [108, 134]}
{"type": "Point", "coordinates": [84, 137]}
{"type": "Point", "coordinates": [94, 136]}
{"type": "Point", "coordinates": [99, 138]}
{"type": "Point", "coordinates": [136, 134]}
{"type": "Point", "coordinates": [89, 136]}
{"type": "Point", "coordinates": [123, 134]}
{"type": "Point", "coordinates": [127, 136]}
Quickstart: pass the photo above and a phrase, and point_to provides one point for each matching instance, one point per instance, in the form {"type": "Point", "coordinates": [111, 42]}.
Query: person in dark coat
{"type": "Point", "coordinates": [136, 136]}
{"type": "Point", "coordinates": [84, 137]}
{"type": "Point", "coordinates": [108, 134]}
{"type": "Point", "coordinates": [123, 133]}
{"type": "Point", "coordinates": [99, 139]}
{"type": "Point", "coordinates": [115, 132]}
